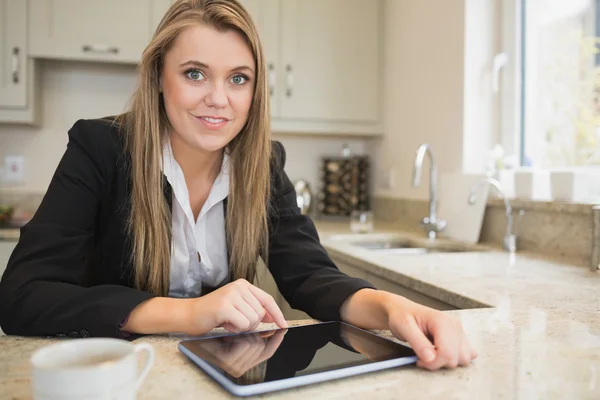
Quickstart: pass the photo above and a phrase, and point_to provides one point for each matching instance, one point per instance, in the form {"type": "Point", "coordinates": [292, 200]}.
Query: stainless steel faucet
{"type": "Point", "coordinates": [510, 238]}
{"type": "Point", "coordinates": [431, 224]}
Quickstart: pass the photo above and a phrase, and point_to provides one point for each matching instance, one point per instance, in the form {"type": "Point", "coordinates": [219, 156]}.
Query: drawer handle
{"type": "Point", "coordinates": [16, 68]}
{"type": "Point", "coordinates": [272, 79]}
{"type": "Point", "coordinates": [100, 49]}
{"type": "Point", "coordinates": [290, 81]}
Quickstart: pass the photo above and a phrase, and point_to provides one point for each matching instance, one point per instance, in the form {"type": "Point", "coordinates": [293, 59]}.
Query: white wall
{"type": "Point", "coordinates": [69, 91]}
{"type": "Point", "coordinates": [424, 85]}
{"type": "Point", "coordinates": [73, 90]}
{"type": "Point", "coordinates": [437, 81]}
{"type": "Point", "coordinates": [481, 103]}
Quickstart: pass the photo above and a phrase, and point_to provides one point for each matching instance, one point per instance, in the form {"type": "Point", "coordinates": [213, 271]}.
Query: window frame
{"type": "Point", "coordinates": [513, 104]}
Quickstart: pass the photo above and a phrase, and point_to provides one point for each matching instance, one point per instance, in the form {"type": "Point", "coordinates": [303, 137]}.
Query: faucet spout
{"type": "Point", "coordinates": [431, 224]}
{"type": "Point", "coordinates": [510, 238]}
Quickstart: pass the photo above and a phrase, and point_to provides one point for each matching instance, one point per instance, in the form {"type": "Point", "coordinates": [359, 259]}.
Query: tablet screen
{"type": "Point", "coordinates": [257, 357]}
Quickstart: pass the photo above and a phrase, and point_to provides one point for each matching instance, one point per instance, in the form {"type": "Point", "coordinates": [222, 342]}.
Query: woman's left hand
{"type": "Point", "coordinates": [437, 338]}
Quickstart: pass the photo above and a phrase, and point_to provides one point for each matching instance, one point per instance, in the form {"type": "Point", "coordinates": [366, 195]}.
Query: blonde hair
{"type": "Point", "coordinates": [147, 128]}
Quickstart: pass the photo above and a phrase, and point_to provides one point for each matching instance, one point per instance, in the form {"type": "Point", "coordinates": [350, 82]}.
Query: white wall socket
{"type": "Point", "coordinates": [14, 169]}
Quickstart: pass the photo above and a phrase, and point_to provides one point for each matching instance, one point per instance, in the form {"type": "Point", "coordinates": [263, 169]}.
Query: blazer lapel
{"type": "Point", "coordinates": [226, 233]}
{"type": "Point", "coordinates": [168, 191]}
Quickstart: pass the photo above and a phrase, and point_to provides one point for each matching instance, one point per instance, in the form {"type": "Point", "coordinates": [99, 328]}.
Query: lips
{"type": "Point", "coordinates": [213, 122]}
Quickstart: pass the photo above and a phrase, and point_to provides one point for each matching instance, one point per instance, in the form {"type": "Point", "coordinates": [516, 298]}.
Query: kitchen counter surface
{"type": "Point", "coordinates": [11, 234]}
{"type": "Point", "coordinates": [536, 328]}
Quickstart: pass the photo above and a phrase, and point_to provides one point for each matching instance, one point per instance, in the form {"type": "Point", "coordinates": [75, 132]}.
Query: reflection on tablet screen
{"type": "Point", "coordinates": [284, 353]}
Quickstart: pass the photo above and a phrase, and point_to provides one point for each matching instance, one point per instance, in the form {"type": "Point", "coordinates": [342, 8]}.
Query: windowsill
{"type": "Point", "coordinates": [545, 206]}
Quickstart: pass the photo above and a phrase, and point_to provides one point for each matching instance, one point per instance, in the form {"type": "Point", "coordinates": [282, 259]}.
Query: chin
{"type": "Point", "coordinates": [211, 142]}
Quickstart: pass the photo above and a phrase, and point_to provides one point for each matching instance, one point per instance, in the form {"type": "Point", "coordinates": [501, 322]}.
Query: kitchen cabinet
{"type": "Point", "coordinates": [346, 268]}
{"type": "Point", "coordinates": [389, 286]}
{"type": "Point", "coordinates": [330, 60]}
{"type": "Point", "coordinates": [264, 280]}
{"type": "Point", "coordinates": [265, 14]}
{"type": "Point", "coordinates": [392, 287]}
{"type": "Point", "coordinates": [324, 59]}
{"type": "Point", "coordinates": [292, 314]}
{"type": "Point", "coordinates": [158, 8]}
{"type": "Point", "coordinates": [6, 249]}
{"type": "Point", "coordinates": [108, 30]}
{"type": "Point", "coordinates": [325, 64]}
{"type": "Point", "coordinates": [377, 281]}
{"type": "Point", "coordinates": [350, 270]}
{"type": "Point", "coordinates": [17, 72]}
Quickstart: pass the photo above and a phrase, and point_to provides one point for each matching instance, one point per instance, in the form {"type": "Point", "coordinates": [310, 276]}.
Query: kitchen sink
{"type": "Point", "coordinates": [398, 246]}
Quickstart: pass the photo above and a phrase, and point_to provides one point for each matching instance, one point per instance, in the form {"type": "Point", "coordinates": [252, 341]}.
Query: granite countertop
{"type": "Point", "coordinates": [538, 337]}
{"type": "Point", "coordinates": [11, 234]}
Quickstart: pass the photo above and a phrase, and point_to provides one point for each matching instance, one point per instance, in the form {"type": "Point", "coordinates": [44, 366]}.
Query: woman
{"type": "Point", "coordinates": [154, 220]}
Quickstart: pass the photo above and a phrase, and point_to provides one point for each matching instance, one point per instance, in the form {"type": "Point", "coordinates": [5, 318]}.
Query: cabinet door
{"type": "Point", "coordinates": [265, 14]}
{"type": "Point", "coordinates": [13, 54]}
{"type": "Point", "coordinates": [331, 56]}
{"type": "Point", "coordinates": [389, 286]}
{"type": "Point", "coordinates": [157, 10]}
{"type": "Point", "coordinates": [350, 270]}
{"type": "Point", "coordinates": [107, 30]}
{"type": "Point", "coordinates": [6, 249]}
{"type": "Point", "coordinates": [264, 280]}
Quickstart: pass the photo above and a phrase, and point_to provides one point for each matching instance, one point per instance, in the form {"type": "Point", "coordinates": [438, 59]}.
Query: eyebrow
{"type": "Point", "coordinates": [199, 64]}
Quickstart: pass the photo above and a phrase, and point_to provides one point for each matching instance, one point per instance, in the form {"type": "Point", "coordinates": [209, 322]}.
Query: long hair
{"type": "Point", "coordinates": [147, 129]}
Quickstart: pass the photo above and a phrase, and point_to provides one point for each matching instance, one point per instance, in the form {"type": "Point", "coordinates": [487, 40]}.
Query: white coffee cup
{"type": "Point", "coordinates": [89, 369]}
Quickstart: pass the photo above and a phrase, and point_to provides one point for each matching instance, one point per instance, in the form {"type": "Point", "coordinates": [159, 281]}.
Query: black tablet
{"type": "Point", "coordinates": [252, 363]}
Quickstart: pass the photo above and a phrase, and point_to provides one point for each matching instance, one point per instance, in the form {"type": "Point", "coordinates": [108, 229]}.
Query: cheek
{"type": "Point", "coordinates": [242, 101]}
{"type": "Point", "coordinates": [178, 95]}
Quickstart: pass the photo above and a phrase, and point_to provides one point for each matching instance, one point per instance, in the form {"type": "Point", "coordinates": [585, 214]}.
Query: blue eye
{"type": "Point", "coordinates": [194, 74]}
{"type": "Point", "coordinates": [239, 79]}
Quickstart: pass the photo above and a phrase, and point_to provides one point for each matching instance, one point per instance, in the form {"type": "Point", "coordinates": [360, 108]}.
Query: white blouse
{"type": "Point", "coordinates": [199, 248]}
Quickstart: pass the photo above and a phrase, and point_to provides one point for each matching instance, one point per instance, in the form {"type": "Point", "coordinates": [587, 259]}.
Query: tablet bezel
{"type": "Point", "coordinates": [297, 381]}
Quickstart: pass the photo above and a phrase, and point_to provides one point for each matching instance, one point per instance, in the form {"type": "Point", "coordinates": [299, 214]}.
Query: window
{"type": "Point", "coordinates": [560, 75]}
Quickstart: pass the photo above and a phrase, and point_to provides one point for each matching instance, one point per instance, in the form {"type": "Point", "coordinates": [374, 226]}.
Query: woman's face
{"type": "Point", "coordinates": [207, 82]}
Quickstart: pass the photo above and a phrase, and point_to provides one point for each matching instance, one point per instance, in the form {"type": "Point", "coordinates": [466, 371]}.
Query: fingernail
{"type": "Point", "coordinates": [428, 355]}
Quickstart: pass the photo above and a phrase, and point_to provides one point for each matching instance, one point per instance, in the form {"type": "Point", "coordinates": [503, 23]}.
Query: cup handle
{"type": "Point", "coordinates": [149, 361]}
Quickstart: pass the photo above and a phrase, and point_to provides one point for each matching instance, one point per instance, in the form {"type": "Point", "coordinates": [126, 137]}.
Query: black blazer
{"type": "Point", "coordinates": [70, 273]}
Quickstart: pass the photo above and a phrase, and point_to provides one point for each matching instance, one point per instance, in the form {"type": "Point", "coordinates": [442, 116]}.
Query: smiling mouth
{"type": "Point", "coordinates": [213, 123]}
{"type": "Point", "coordinates": [213, 120]}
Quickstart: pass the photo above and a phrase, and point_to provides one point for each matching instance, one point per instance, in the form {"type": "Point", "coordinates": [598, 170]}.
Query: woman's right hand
{"type": "Point", "coordinates": [238, 307]}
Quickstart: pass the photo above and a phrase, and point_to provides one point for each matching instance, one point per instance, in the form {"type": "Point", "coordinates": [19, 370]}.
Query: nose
{"type": "Point", "coordinates": [217, 96]}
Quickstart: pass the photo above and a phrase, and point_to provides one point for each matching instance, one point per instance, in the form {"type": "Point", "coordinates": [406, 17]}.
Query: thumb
{"type": "Point", "coordinates": [410, 331]}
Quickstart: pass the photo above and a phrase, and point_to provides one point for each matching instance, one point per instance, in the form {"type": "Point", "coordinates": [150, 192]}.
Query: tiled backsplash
{"type": "Point", "coordinates": [558, 230]}
{"type": "Point", "coordinates": [561, 230]}
{"type": "Point", "coordinates": [407, 213]}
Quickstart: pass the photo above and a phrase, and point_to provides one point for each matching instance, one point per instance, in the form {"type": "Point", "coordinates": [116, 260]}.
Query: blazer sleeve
{"type": "Point", "coordinates": [305, 274]}
{"type": "Point", "coordinates": [43, 291]}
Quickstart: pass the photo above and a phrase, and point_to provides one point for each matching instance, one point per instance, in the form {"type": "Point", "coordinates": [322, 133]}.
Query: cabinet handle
{"type": "Point", "coordinates": [272, 79]}
{"type": "Point", "coordinates": [289, 80]}
{"type": "Point", "coordinates": [16, 68]}
{"type": "Point", "coordinates": [100, 49]}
